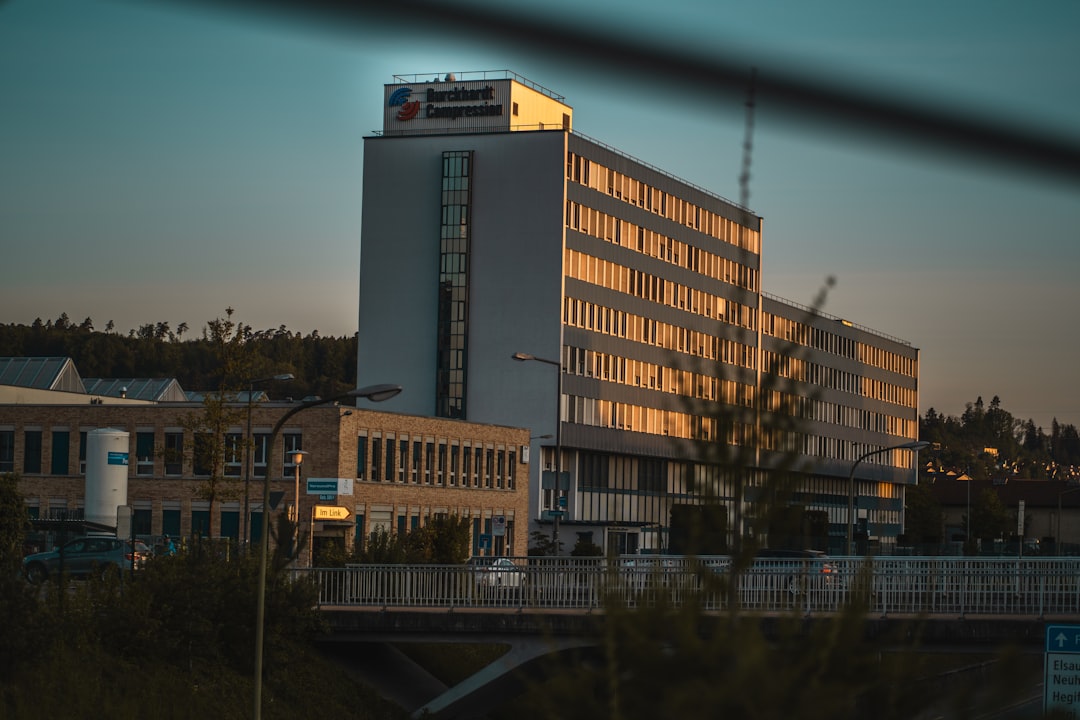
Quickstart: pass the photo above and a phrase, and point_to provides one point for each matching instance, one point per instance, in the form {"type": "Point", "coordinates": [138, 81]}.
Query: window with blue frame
{"type": "Point", "coordinates": [61, 452]}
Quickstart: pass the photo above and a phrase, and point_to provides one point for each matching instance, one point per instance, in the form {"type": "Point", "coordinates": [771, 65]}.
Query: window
{"type": "Point", "coordinates": [429, 461]}
{"type": "Point", "coordinates": [200, 522]}
{"type": "Point", "coordinates": [174, 453]}
{"type": "Point", "coordinates": [260, 448]}
{"type": "Point", "coordinates": [416, 461]}
{"type": "Point", "coordinates": [478, 465]}
{"type": "Point", "coordinates": [7, 451]}
{"type": "Point", "coordinates": [234, 454]}
{"type": "Point", "coordinates": [82, 452]}
{"type": "Point", "coordinates": [376, 458]}
{"type": "Point", "coordinates": [230, 524]}
{"type": "Point", "coordinates": [403, 458]}
{"type": "Point", "coordinates": [170, 522]}
{"type": "Point", "coordinates": [489, 468]}
{"type": "Point", "coordinates": [61, 452]}
{"type": "Point", "coordinates": [294, 442]}
{"type": "Point", "coordinates": [441, 479]}
{"type": "Point", "coordinates": [203, 453]}
{"type": "Point", "coordinates": [141, 520]}
{"type": "Point", "coordinates": [32, 452]}
{"type": "Point", "coordinates": [455, 455]}
{"type": "Point", "coordinates": [361, 456]}
{"type": "Point", "coordinates": [144, 453]}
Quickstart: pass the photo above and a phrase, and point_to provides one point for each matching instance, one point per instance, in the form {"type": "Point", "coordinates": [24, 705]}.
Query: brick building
{"type": "Point", "coordinates": [393, 471]}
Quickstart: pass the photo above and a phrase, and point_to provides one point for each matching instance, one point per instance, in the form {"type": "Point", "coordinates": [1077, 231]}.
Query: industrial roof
{"type": "Point", "coordinates": [156, 389]}
{"type": "Point", "coordinates": [42, 373]}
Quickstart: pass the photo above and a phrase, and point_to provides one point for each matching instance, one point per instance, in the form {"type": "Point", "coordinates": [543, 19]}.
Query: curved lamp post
{"type": "Point", "coordinates": [374, 393]}
{"type": "Point", "coordinates": [249, 453]}
{"type": "Point", "coordinates": [915, 445]}
{"type": "Point", "coordinates": [522, 357]}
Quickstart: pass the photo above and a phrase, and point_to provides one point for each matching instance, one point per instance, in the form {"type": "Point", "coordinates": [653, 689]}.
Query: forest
{"type": "Point", "coordinates": [197, 359]}
{"type": "Point", "coordinates": [983, 440]}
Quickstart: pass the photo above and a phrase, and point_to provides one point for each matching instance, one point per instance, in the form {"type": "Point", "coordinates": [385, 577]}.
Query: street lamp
{"type": "Point", "coordinates": [298, 460]}
{"type": "Point", "coordinates": [915, 445]}
{"type": "Point", "coordinates": [374, 393]}
{"type": "Point", "coordinates": [249, 458]}
{"type": "Point", "coordinates": [522, 357]}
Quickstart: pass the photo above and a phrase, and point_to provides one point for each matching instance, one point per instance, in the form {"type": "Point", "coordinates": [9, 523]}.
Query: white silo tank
{"type": "Point", "coordinates": [106, 474]}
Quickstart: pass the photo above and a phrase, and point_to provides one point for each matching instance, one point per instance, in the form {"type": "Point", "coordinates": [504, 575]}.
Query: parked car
{"type": "Point", "coordinates": [497, 572]}
{"type": "Point", "coordinates": [798, 570]}
{"type": "Point", "coordinates": [86, 556]}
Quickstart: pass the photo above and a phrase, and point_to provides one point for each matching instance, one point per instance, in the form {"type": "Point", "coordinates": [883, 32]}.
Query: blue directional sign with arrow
{"type": "Point", "coordinates": [1061, 670]}
{"type": "Point", "coordinates": [1063, 638]}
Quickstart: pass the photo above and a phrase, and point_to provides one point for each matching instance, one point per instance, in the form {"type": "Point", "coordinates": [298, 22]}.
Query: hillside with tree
{"type": "Point", "coordinates": [987, 442]}
{"type": "Point", "coordinates": [322, 365]}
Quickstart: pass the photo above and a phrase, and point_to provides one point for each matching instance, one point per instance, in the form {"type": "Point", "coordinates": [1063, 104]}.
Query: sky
{"type": "Point", "coordinates": [162, 161]}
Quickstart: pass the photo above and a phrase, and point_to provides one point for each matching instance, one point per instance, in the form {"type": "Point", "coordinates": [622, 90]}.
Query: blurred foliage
{"type": "Point", "coordinates": [175, 642]}
{"type": "Point", "coordinates": [442, 540]}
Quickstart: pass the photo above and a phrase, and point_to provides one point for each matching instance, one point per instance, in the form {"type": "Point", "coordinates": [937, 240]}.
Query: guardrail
{"type": "Point", "coordinates": [910, 585]}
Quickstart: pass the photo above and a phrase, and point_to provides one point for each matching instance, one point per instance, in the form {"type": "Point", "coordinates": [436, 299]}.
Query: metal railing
{"type": "Point", "coordinates": [896, 585]}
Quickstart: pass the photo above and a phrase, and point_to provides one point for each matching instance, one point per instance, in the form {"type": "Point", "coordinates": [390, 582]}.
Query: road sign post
{"type": "Point", "coordinates": [1061, 667]}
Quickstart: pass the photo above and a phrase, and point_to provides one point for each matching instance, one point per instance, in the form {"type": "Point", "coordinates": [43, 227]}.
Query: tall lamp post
{"type": "Point", "coordinates": [915, 445]}
{"type": "Point", "coordinates": [298, 460]}
{"type": "Point", "coordinates": [374, 393]}
{"type": "Point", "coordinates": [522, 357]}
{"type": "Point", "coordinates": [249, 458]}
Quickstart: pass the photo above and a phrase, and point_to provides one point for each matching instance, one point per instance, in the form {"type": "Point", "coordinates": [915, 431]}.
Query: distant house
{"type": "Point", "coordinates": [1051, 507]}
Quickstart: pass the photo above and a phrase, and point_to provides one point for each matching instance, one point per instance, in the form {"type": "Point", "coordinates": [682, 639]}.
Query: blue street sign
{"type": "Point", "coordinates": [1063, 638]}
{"type": "Point", "coordinates": [322, 486]}
{"type": "Point", "coordinates": [1061, 670]}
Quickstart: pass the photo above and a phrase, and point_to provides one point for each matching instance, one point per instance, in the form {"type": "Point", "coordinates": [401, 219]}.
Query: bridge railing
{"type": "Point", "coordinates": [925, 585]}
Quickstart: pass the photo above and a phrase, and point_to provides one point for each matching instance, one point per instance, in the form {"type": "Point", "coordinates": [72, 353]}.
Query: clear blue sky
{"type": "Point", "coordinates": [161, 164]}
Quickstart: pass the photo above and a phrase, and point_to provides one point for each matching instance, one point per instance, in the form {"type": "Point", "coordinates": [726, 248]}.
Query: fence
{"type": "Point", "coordinates": [894, 585]}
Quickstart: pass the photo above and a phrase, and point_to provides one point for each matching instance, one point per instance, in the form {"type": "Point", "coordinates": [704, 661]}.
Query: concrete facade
{"type": "Point", "coordinates": [643, 294]}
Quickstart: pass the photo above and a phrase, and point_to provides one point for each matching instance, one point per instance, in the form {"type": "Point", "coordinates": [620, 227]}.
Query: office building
{"type": "Point", "coordinates": [491, 228]}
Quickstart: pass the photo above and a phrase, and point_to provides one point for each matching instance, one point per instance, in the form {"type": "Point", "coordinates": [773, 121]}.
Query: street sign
{"type": "Point", "coordinates": [552, 514]}
{"type": "Point", "coordinates": [1061, 666]}
{"type": "Point", "coordinates": [322, 486]}
{"type": "Point", "coordinates": [498, 525]}
{"type": "Point", "coordinates": [330, 512]}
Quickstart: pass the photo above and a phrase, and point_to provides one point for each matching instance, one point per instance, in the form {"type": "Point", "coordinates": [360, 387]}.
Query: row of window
{"type": "Point", "coordinates": [639, 373]}
{"type": "Point", "coordinates": [645, 486]}
{"type": "Point", "coordinates": [640, 284]}
{"type": "Point", "coordinates": [626, 234]}
{"type": "Point", "coordinates": [382, 457]}
{"type": "Point", "coordinates": [167, 448]}
{"type": "Point", "coordinates": [609, 414]}
{"type": "Point", "coordinates": [593, 175]}
{"type": "Point", "coordinates": [803, 334]}
{"type": "Point", "coordinates": [801, 370]}
{"type": "Point", "coordinates": [647, 331]}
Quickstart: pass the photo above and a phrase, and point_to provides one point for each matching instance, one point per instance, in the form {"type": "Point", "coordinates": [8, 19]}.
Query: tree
{"type": "Point", "coordinates": [924, 517]}
{"type": "Point", "coordinates": [990, 519]}
{"type": "Point", "coordinates": [209, 428]}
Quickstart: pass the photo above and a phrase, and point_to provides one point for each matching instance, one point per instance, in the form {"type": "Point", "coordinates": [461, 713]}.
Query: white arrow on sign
{"type": "Point", "coordinates": [1061, 639]}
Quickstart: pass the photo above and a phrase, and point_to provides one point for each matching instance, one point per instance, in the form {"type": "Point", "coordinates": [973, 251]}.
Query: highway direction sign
{"type": "Point", "coordinates": [1061, 665]}
{"type": "Point", "coordinates": [330, 512]}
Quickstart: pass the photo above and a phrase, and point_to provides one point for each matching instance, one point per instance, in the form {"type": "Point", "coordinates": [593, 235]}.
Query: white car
{"type": "Point", "coordinates": [497, 572]}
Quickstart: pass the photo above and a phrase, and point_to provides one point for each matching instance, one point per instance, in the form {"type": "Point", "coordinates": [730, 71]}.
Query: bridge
{"type": "Point", "coordinates": [539, 606]}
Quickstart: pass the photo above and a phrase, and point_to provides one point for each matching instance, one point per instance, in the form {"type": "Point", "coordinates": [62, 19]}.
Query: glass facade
{"type": "Point", "coordinates": [453, 314]}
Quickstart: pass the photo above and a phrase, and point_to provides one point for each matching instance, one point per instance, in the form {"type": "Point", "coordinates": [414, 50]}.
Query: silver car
{"type": "Point", "coordinates": [81, 557]}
